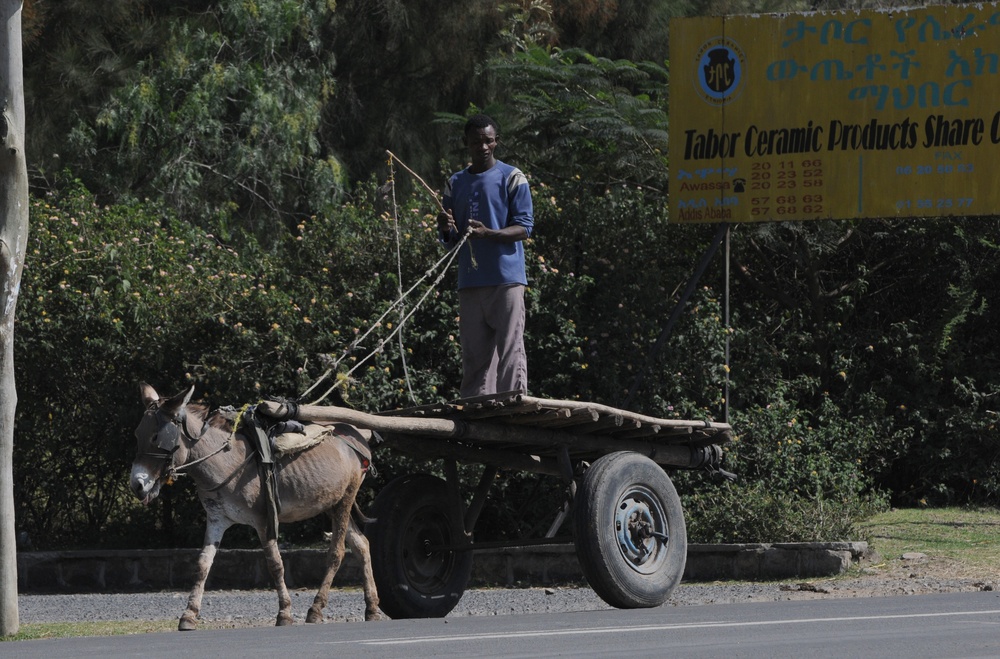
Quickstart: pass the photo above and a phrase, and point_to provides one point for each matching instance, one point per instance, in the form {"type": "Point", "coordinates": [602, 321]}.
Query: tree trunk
{"type": "Point", "coordinates": [13, 238]}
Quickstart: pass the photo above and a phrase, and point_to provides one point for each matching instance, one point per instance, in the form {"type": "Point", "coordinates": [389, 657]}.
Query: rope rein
{"type": "Point", "coordinates": [446, 260]}
{"type": "Point", "coordinates": [179, 471]}
{"type": "Point", "coordinates": [443, 263]}
{"type": "Point", "coordinates": [399, 281]}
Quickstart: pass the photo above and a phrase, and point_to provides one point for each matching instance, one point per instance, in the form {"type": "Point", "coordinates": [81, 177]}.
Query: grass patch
{"type": "Point", "coordinates": [38, 630]}
{"type": "Point", "coordinates": [34, 631]}
{"type": "Point", "coordinates": [966, 537]}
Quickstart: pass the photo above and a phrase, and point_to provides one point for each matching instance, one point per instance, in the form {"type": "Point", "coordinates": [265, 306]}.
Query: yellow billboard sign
{"type": "Point", "coordinates": [849, 114]}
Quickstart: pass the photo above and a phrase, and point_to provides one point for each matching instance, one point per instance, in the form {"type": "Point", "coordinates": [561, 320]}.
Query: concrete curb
{"type": "Point", "coordinates": [742, 562]}
{"type": "Point", "coordinates": [173, 569]}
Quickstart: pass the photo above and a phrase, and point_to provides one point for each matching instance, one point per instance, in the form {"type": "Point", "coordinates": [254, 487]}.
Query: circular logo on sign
{"type": "Point", "coordinates": [721, 71]}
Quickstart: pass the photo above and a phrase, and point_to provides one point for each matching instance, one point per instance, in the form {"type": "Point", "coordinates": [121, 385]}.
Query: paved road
{"type": "Point", "coordinates": [943, 625]}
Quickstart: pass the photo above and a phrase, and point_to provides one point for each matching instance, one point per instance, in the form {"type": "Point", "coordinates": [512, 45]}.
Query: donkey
{"type": "Point", "coordinates": [176, 437]}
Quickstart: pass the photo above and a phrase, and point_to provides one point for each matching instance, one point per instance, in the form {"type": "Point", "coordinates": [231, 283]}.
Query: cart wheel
{"type": "Point", "coordinates": [411, 514]}
{"type": "Point", "coordinates": [629, 531]}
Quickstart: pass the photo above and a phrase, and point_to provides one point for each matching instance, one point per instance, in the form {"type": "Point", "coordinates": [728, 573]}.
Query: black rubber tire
{"type": "Point", "coordinates": [410, 513]}
{"type": "Point", "coordinates": [620, 499]}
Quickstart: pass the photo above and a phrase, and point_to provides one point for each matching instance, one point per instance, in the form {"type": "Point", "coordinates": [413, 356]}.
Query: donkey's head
{"type": "Point", "coordinates": [160, 441]}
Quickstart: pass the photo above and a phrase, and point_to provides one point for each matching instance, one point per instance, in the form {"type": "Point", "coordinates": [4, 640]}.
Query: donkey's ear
{"type": "Point", "coordinates": [147, 394]}
{"type": "Point", "coordinates": [175, 405]}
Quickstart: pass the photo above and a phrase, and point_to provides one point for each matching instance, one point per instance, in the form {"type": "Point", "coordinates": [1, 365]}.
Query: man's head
{"type": "Point", "coordinates": [479, 121]}
{"type": "Point", "coordinates": [481, 135]}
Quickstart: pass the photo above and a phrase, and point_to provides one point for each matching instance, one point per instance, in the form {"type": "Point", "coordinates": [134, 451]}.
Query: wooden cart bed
{"type": "Point", "coordinates": [513, 430]}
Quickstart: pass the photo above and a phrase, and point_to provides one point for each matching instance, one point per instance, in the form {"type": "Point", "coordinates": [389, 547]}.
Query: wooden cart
{"type": "Point", "coordinates": [628, 524]}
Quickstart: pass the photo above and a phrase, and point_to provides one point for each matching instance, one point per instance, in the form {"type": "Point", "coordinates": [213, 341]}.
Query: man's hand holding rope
{"type": "Point", "coordinates": [446, 224]}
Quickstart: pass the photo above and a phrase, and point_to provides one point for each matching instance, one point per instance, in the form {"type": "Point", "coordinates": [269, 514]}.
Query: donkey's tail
{"type": "Point", "coordinates": [359, 516]}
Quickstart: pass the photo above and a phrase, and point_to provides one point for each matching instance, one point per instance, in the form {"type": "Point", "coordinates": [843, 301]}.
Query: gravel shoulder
{"type": "Point", "coordinates": [915, 575]}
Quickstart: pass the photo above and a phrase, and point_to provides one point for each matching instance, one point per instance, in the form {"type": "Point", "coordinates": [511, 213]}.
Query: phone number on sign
{"type": "Point", "coordinates": [786, 175]}
{"type": "Point", "coordinates": [810, 204]}
{"type": "Point", "coordinates": [940, 204]}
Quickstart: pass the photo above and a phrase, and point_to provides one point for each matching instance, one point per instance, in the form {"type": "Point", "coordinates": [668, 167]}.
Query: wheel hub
{"type": "Point", "coordinates": [640, 528]}
{"type": "Point", "coordinates": [424, 567]}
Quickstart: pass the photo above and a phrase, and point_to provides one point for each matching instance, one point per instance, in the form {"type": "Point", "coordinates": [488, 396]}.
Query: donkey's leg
{"type": "Point", "coordinates": [277, 569]}
{"type": "Point", "coordinates": [358, 543]}
{"type": "Point", "coordinates": [340, 516]}
{"type": "Point", "coordinates": [214, 531]}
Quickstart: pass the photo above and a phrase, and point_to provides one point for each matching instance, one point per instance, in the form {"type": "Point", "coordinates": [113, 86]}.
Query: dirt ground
{"type": "Point", "coordinates": [912, 573]}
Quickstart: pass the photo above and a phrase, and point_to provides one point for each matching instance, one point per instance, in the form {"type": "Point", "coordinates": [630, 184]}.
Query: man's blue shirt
{"type": "Point", "coordinates": [499, 197]}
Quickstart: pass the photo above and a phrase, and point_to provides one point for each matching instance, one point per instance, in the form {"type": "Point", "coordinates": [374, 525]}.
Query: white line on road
{"type": "Point", "coordinates": [648, 628]}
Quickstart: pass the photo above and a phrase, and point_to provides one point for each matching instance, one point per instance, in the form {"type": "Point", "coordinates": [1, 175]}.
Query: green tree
{"type": "Point", "coordinates": [637, 30]}
{"type": "Point", "coordinates": [76, 54]}
{"type": "Point", "coordinates": [591, 119]}
{"type": "Point", "coordinates": [398, 63]}
{"type": "Point", "coordinates": [221, 122]}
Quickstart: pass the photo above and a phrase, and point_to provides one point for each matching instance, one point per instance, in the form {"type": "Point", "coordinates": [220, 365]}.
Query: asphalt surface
{"type": "Point", "coordinates": [910, 627]}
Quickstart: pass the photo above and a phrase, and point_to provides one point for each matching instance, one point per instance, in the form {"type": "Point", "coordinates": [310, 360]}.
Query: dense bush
{"type": "Point", "coordinates": [892, 321]}
{"type": "Point", "coordinates": [117, 295]}
{"type": "Point", "coordinates": [803, 475]}
{"type": "Point", "coordinates": [839, 401]}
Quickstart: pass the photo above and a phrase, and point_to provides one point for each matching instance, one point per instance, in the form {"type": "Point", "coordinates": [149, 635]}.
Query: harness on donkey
{"type": "Point", "coordinates": [273, 438]}
{"type": "Point", "coordinates": [270, 439]}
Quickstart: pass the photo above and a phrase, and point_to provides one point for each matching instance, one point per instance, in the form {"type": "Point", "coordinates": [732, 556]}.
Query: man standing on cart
{"type": "Point", "coordinates": [491, 201]}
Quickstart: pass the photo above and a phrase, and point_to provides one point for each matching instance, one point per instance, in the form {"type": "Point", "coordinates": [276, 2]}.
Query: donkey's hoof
{"type": "Point", "coordinates": [187, 624]}
{"type": "Point", "coordinates": [283, 620]}
{"type": "Point", "coordinates": [314, 617]}
{"type": "Point", "coordinates": [374, 615]}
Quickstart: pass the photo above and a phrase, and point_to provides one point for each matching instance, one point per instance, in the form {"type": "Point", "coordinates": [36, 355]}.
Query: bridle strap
{"type": "Point", "coordinates": [182, 428]}
{"type": "Point", "coordinates": [187, 433]}
{"type": "Point", "coordinates": [179, 470]}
